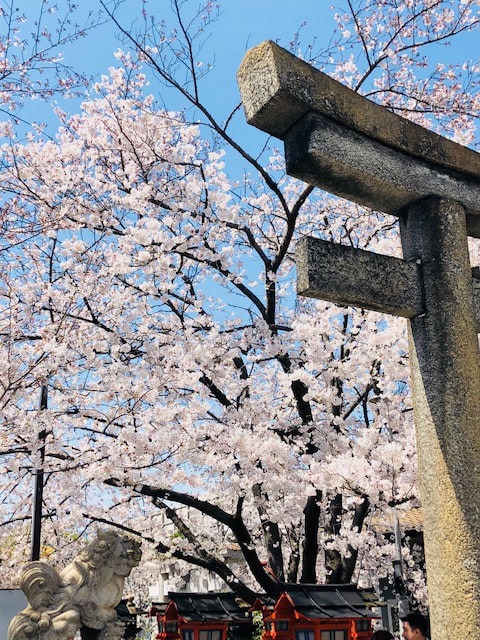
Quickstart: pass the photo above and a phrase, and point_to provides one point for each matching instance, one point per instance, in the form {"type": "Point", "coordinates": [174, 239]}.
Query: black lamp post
{"type": "Point", "coordinates": [38, 473]}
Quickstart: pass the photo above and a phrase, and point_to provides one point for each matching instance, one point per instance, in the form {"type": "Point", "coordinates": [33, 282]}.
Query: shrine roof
{"type": "Point", "coordinates": [332, 601]}
{"type": "Point", "coordinates": [205, 607]}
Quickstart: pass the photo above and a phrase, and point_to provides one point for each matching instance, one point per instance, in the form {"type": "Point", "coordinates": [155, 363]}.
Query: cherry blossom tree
{"type": "Point", "coordinates": [193, 398]}
{"type": "Point", "coordinates": [32, 41]}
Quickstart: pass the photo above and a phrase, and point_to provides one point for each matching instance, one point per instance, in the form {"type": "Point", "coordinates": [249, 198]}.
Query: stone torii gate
{"type": "Point", "coordinates": [348, 145]}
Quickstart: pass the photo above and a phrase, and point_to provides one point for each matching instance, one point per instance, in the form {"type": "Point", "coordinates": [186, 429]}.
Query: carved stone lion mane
{"type": "Point", "coordinates": [84, 594]}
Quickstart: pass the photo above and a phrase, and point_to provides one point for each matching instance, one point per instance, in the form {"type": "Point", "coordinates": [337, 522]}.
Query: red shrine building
{"type": "Point", "coordinates": [203, 616]}
{"type": "Point", "coordinates": [301, 612]}
{"type": "Point", "coordinates": [323, 612]}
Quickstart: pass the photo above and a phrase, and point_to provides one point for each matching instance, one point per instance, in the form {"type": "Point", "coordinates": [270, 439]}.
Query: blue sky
{"type": "Point", "coordinates": [241, 25]}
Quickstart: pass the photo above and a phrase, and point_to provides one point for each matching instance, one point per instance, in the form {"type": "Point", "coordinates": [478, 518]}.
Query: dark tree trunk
{"type": "Point", "coordinates": [341, 569]}
{"type": "Point", "coordinates": [272, 537]}
{"type": "Point", "coordinates": [361, 511]}
{"type": "Point", "coordinates": [89, 634]}
{"type": "Point", "coordinates": [294, 560]}
{"type": "Point", "coordinates": [310, 545]}
{"type": "Point", "coordinates": [333, 559]}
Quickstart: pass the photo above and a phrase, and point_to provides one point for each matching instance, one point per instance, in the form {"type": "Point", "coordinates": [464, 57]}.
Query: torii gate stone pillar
{"type": "Point", "coordinates": [345, 144]}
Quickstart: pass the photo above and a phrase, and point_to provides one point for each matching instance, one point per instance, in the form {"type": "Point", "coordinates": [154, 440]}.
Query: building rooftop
{"type": "Point", "coordinates": [332, 601]}
{"type": "Point", "coordinates": [203, 607]}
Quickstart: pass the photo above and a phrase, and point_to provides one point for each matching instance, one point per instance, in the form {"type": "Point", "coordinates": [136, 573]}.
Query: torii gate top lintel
{"type": "Point", "coordinates": [289, 99]}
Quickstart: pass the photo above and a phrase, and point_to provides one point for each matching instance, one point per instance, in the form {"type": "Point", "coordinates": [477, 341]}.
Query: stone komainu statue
{"type": "Point", "coordinates": [82, 596]}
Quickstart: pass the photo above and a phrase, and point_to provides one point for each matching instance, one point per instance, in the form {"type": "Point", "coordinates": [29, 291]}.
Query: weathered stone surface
{"type": "Point", "coordinates": [82, 596]}
{"type": "Point", "coordinates": [346, 144]}
{"type": "Point", "coordinates": [349, 276]}
{"type": "Point", "coordinates": [278, 88]}
{"type": "Point", "coordinates": [342, 161]}
{"type": "Point", "coordinates": [445, 375]}
{"type": "Point", "coordinates": [354, 277]}
{"type": "Point", "coordinates": [476, 294]}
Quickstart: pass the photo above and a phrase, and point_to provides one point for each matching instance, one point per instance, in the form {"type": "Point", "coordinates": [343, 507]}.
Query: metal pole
{"type": "Point", "coordinates": [38, 474]}
{"type": "Point", "coordinates": [403, 601]}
